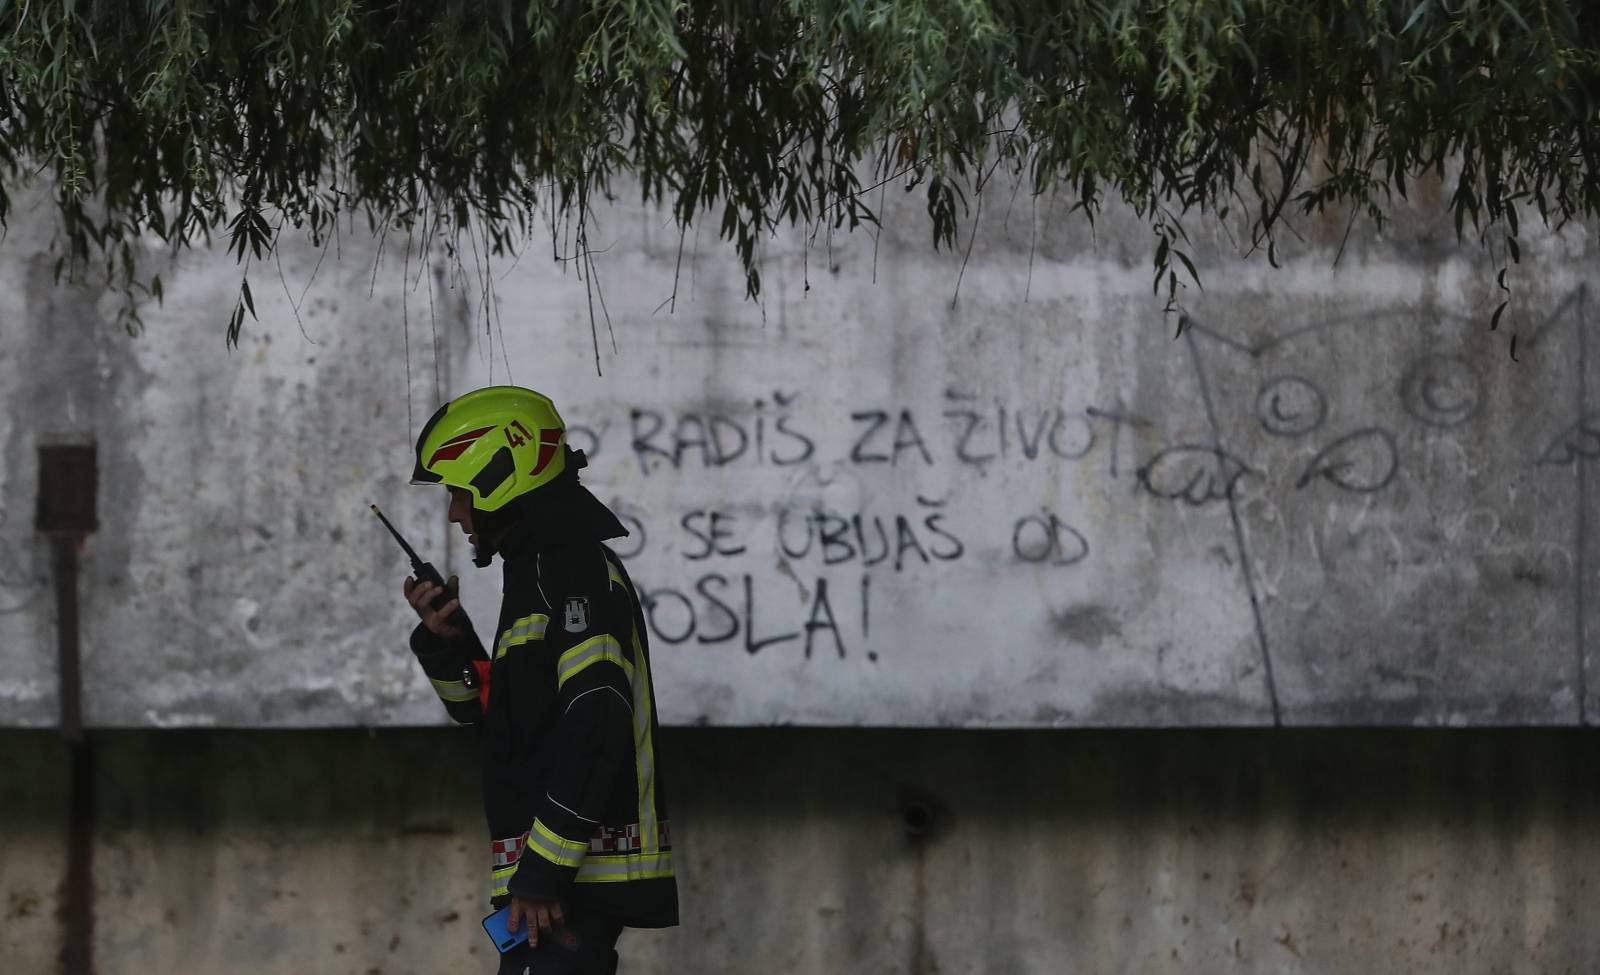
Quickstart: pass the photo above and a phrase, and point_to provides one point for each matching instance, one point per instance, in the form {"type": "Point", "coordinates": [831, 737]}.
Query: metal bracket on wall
{"type": "Point", "coordinates": [68, 477]}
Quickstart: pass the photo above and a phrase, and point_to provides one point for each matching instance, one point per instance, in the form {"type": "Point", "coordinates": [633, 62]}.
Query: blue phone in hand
{"type": "Point", "coordinates": [504, 940]}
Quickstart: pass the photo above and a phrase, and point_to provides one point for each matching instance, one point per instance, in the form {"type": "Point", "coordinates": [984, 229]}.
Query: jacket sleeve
{"type": "Point", "coordinates": [450, 666]}
{"type": "Point", "coordinates": [593, 735]}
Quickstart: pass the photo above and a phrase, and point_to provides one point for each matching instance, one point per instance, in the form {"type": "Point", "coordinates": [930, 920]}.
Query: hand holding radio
{"type": "Point", "coordinates": [436, 601]}
{"type": "Point", "coordinates": [435, 605]}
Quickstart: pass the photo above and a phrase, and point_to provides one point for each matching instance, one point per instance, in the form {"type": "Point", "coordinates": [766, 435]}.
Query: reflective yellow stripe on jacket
{"type": "Point", "coordinates": [525, 630]}
{"type": "Point", "coordinates": [556, 848]}
{"type": "Point", "coordinates": [588, 653]}
{"type": "Point", "coordinates": [454, 691]}
{"type": "Point", "coordinates": [502, 880]}
{"type": "Point", "coordinates": [644, 752]}
{"type": "Point", "coordinates": [624, 867]}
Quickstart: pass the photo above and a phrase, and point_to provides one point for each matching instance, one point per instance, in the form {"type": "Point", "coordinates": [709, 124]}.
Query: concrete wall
{"type": "Point", "coordinates": [872, 498]}
{"type": "Point", "coordinates": [1322, 852]}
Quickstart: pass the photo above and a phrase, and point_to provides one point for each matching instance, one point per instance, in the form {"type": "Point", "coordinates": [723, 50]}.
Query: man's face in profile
{"type": "Point", "coordinates": [461, 513]}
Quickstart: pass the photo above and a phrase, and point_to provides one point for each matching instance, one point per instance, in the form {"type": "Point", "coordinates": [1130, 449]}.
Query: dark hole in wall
{"type": "Point", "coordinates": [918, 818]}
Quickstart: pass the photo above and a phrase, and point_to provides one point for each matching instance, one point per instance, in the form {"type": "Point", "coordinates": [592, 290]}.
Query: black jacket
{"type": "Point", "coordinates": [566, 716]}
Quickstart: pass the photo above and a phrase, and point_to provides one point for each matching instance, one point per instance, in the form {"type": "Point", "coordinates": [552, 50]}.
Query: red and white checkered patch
{"type": "Point", "coordinates": [626, 839]}
{"type": "Point", "coordinates": [506, 852]}
{"type": "Point", "coordinates": [606, 839]}
{"type": "Point", "coordinates": [610, 840]}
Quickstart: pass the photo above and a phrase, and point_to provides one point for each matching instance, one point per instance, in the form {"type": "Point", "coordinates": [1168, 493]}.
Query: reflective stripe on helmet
{"type": "Point", "coordinates": [456, 446]}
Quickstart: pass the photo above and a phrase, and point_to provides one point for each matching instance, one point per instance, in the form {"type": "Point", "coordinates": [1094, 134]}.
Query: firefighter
{"type": "Point", "coordinates": [562, 699]}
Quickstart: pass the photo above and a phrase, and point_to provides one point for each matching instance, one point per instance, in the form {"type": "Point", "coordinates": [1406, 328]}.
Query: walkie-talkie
{"type": "Point", "coordinates": [425, 572]}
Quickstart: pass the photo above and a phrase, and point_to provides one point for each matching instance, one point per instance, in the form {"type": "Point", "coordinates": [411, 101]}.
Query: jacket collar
{"type": "Point", "coordinates": [562, 514]}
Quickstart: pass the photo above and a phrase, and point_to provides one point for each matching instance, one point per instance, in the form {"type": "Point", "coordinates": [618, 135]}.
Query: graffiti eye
{"type": "Point", "coordinates": [1364, 461]}
{"type": "Point", "coordinates": [1440, 391]}
{"type": "Point", "coordinates": [1290, 406]}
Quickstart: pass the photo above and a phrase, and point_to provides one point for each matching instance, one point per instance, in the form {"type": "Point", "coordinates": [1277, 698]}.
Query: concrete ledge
{"type": "Point", "coordinates": [812, 851]}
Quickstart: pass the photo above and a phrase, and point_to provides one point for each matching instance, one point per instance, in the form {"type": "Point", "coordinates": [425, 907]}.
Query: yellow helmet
{"type": "Point", "coordinates": [498, 443]}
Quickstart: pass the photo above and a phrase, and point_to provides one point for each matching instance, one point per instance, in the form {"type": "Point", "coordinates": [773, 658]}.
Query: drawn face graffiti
{"type": "Point", "coordinates": [1379, 500]}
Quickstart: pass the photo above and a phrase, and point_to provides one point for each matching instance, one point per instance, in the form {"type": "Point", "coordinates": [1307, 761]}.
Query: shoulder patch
{"type": "Point", "coordinates": [576, 615]}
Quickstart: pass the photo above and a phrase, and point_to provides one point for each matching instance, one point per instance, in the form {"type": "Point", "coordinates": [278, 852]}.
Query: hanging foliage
{"type": "Point", "coordinates": [187, 119]}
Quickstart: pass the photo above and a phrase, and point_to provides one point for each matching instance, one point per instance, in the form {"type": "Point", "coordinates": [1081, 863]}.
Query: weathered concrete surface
{"type": "Point", "coordinates": [869, 499]}
{"type": "Point", "coordinates": [1315, 852]}
{"type": "Point", "coordinates": [235, 577]}
{"type": "Point", "coordinates": [33, 849]}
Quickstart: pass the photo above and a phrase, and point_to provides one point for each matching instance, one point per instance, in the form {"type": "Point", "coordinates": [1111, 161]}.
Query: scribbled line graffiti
{"type": "Point", "coordinates": [1363, 461]}
{"type": "Point", "coordinates": [1578, 442]}
{"type": "Point", "coordinates": [1194, 474]}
